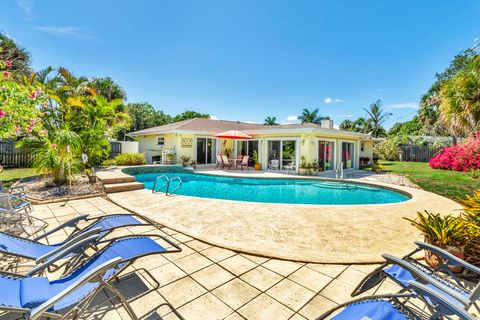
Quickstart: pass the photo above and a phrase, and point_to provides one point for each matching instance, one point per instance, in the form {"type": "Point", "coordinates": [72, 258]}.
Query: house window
{"type": "Point", "coordinates": [161, 141]}
{"type": "Point", "coordinates": [362, 146]}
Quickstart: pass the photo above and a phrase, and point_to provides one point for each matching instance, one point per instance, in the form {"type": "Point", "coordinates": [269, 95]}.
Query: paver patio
{"type": "Point", "coordinates": [208, 282]}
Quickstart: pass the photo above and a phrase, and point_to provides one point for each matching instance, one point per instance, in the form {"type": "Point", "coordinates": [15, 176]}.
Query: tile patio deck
{"type": "Point", "coordinates": [208, 282]}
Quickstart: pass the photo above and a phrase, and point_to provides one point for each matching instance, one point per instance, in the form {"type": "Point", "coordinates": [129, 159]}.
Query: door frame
{"type": "Point", "coordinates": [334, 150]}
{"type": "Point", "coordinates": [355, 152]}
{"type": "Point", "coordinates": [281, 139]}
{"type": "Point", "coordinates": [214, 157]}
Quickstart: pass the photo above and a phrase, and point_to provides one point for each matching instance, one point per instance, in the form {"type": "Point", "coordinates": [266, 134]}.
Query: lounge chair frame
{"type": "Point", "coordinates": [416, 290]}
{"type": "Point", "coordinates": [443, 278]}
{"type": "Point", "coordinates": [96, 276]}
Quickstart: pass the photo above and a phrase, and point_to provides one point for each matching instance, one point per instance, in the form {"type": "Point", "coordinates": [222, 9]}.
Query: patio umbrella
{"type": "Point", "coordinates": [234, 135]}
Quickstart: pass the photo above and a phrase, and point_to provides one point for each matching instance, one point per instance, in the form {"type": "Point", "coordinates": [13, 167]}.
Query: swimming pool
{"type": "Point", "coordinates": [295, 191]}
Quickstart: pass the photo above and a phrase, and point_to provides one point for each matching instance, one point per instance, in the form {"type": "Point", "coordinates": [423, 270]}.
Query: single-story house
{"type": "Point", "coordinates": [288, 143]}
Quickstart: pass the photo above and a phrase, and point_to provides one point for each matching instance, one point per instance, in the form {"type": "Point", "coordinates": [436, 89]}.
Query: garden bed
{"type": "Point", "coordinates": [40, 189]}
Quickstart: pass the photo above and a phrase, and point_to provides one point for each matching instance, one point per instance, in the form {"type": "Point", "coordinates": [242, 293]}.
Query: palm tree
{"type": "Point", "coordinates": [460, 101]}
{"type": "Point", "coordinates": [108, 88]}
{"type": "Point", "coordinates": [363, 125]}
{"type": "Point", "coordinates": [347, 125]}
{"type": "Point", "coordinates": [377, 117]}
{"type": "Point", "coordinates": [15, 54]}
{"type": "Point", "coordinates": [311, 116]}
{"type": "Point", "coordinates": [270, 121]}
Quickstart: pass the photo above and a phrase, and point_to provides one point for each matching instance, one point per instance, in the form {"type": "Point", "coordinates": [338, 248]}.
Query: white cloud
{"type": "Point", "coordinates": [406, 105]}
{"type": "Point", "coordinates": [331, 100]}
{"type": "Point", "coordinates": [292, 118]}
{"type": "Point", "coordinates": [26, 6]}
{"type": "Point", "coordinates": [213, 117]}
{"type": "Point", "coordinates": [344, 116]}
{"type": "Point", "coordinates": [66, 31]}
{"type": "Point", "coordinates": [249, 121]}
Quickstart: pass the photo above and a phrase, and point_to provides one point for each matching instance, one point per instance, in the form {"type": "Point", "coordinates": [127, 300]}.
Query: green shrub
{"type": "Point", "coordinates": [109, 163]}
{"type": "Point", "coordinates": [126, 159]}
{"type": "Point", "coordinates": [475, 174]}
{"type": "Point", "coordinates": [387, 150]}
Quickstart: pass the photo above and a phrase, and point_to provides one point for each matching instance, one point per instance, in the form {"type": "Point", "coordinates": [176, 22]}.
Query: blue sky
{"type": "Point", "coordinates": [248, 59]}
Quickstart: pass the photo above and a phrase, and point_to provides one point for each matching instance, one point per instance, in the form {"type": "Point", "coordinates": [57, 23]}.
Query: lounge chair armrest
{"type": "Point", "coordinates": [444, 301]}
{"type": "Point", "coordinates": [70, 223]}
{"type": "Point", "coordinates": [66, 246]}
{"type": "Point", "coordinates": [62, 254]}
{"type": "Point", "coordinates": [424, 277]}
{"type": "Point", "coordinates": [448, 256]}
{"type": "Point", "coordinates": [37, 312]}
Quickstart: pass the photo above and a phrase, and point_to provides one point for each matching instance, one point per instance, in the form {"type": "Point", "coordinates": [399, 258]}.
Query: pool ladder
{"type": "Point", "coordinates": [166, 185]}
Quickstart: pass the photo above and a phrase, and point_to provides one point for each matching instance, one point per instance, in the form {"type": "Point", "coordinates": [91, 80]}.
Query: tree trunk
{"type": "Point", "coordinates": [61, 172]}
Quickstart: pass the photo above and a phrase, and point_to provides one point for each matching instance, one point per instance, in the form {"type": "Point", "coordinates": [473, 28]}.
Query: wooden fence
{"type": "Point", "coordinates": [417, 153]}
{"type": "Point", "coordinates": [10, 156]}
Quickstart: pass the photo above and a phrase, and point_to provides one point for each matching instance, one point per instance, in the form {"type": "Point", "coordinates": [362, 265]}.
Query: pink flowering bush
{"type": "Point", "coordinates": [19, 105]}
{"type": "Point", "coordinates": [464, 157]}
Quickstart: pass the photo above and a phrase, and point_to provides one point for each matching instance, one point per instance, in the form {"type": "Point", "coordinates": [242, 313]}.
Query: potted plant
{"type": "Point", "coordinates": [185, 160]}
{"type": "Point", "coordinates": [448, 232]}
{"type": "Point", "coordinates": [170, 157]}
{"type": "Point", "coordinates": [314, 168]}
{"type": "Point", "coordinates": [303, 168]}
{"type": "Point", "coordinates": [258, 166]}
{"type": "Point", "coordinates": [471, 208]}
{"type": "Point", "coordinates": [193, 164]}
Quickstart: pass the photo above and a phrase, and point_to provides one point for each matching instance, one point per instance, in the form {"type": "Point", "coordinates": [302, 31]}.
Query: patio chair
{"type": "Point", "coordinates": [400, 306]}
{"type": "Point", "coordinates": [18, 191]}
{"type": "Point", "coordinates": [15, 203]}
{"type": "Point", "coordinates": [244, 163]}
{"type": "Point", "coordinates": [72, 295]}
{"type": "Point", "coordinates": [226, 163]}
{"type": "Point", "coordinates": [290, 167]}
{"type": "Point", "coordinates": [404, 270]}
{"type": "Point", "coordinates": [239, 159]}
{"type": "Point", "coordinates": [274, 164]}
{"type": "Point", "coordinates": [219, 161]}
{"type": "Point", "coordinates": [72, 247]}
{"type": "Point", "coordinates": [19, 223]}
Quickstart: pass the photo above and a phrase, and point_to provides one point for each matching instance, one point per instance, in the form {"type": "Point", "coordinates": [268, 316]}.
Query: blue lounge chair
{"type": "Point", "coordinates": [400, 307]}
{"type": "Point", "coordinates": [14, 202]}
{"type": "Point", "coordinates": [404, 270]}
{"type": "Point", "coordinates": [73, 246]}
{"type": "Point", "coordinates": [72, 295]}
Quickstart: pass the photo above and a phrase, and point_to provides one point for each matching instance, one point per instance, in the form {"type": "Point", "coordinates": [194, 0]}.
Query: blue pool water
{"type": "Point", "coordinates": [274, 190]}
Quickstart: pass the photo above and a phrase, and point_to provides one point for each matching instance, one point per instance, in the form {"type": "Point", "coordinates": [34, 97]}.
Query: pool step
{"type": "Point", "coordinates": [107, 178]}
{"type": "Point", "coordinates": [125, 186]}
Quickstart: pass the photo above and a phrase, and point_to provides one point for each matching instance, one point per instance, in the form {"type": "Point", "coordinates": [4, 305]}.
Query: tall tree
{"type": "Point", "coordinates": [459, 106]}
{"type": "Point", "coordinates": [311, 116]}
{"type": "Point", "coordinates": [348, 125]}
{"type": "Point", "coordinates": [108, 88]}
{"type": "Point", "coordinates": [377, 118]}
{"type": "Point", "coordinates": [430, 101]}
{"type": "Point", "coordinates": [363, 125]}
{"type": "Point", "coordinates": [271, 121]}
{"type": "Point", "coordinates": [190, 115]}
{"type": "Point", "coordinates": [15, 56]}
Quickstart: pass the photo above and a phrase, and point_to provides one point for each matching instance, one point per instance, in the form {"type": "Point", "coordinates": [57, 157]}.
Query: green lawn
{"type": "Point", "coordinates": [451, 184]}
{"type": "Point", "coordinates": [9, 176]}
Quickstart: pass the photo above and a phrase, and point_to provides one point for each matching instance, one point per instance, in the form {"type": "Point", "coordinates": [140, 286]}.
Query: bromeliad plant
{"type": "Point", "coordinates": [441, 230]}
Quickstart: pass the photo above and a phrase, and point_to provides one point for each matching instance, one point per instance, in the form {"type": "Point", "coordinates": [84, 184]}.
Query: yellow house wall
{"type": "Point", "coordinates": [367, 150]}
{"type": "Point", "coordinates": [306, 142]}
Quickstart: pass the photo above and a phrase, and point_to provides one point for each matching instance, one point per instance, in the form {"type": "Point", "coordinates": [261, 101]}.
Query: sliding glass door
{"type": "Point", "coordinates": [206, 150]}
{"type": "Point", "coordinates": [246, 148]}
{"type": "Point", "coordinates": [326, 151]}
{"type": "Point", "coordinates": [282, 150]}
{"type": "Point", "coordinates": [348, 155]}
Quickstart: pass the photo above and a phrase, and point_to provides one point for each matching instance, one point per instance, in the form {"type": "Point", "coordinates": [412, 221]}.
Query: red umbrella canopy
{"type": "Point", "coordinates": [233, 134]}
